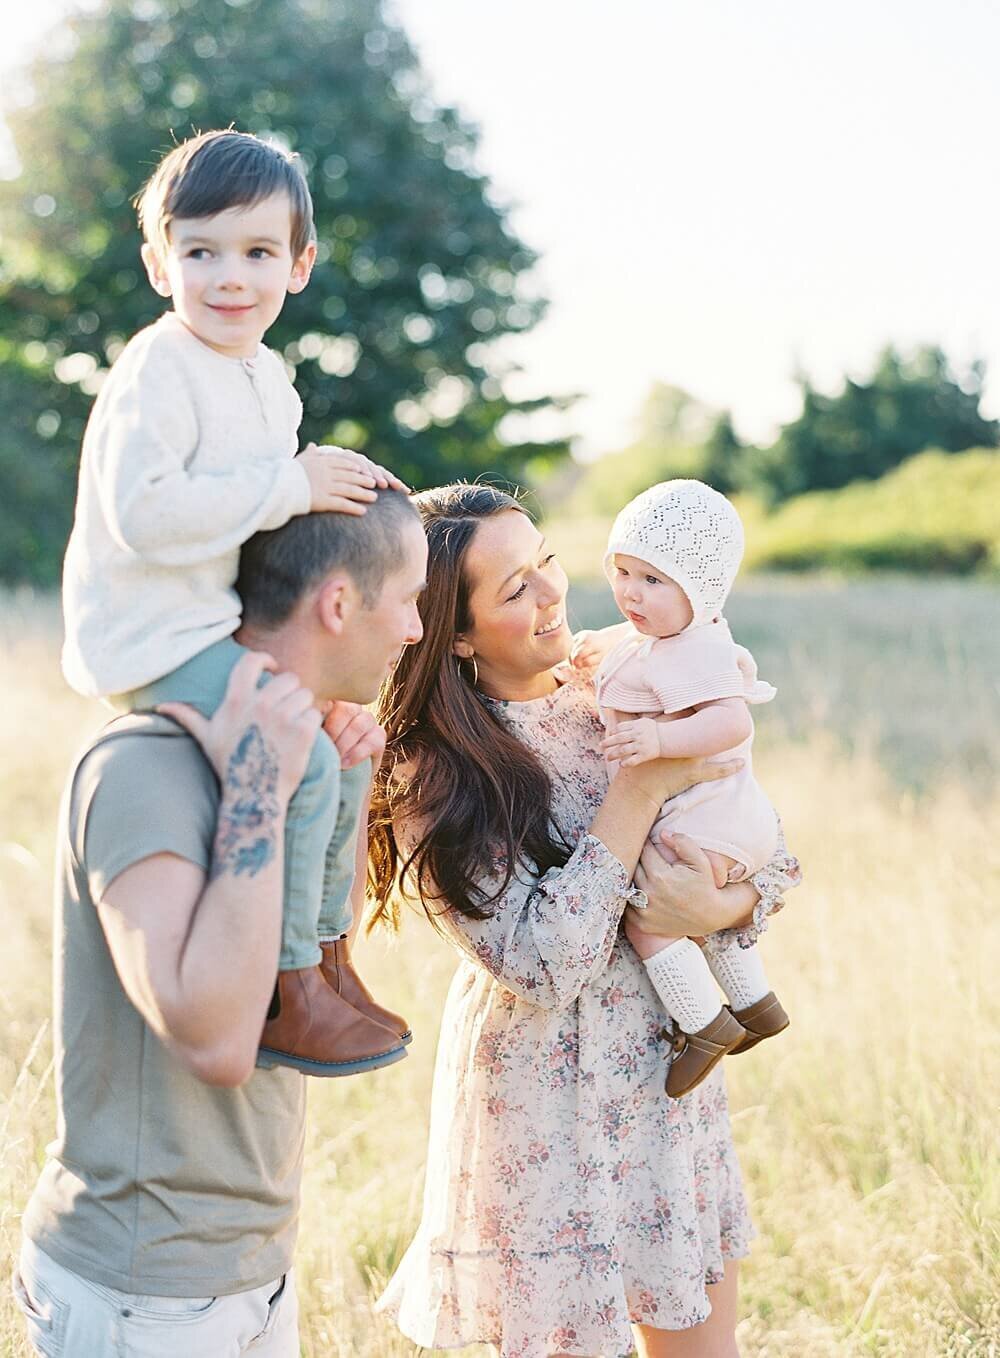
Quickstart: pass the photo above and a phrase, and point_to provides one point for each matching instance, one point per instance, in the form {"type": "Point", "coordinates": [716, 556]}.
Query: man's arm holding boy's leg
{"type": "Point", "coordinates": [197, 953]}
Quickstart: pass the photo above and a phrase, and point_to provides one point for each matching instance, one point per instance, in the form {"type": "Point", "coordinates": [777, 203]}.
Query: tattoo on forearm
{"type": "Point", "coordinates": [249, 812]}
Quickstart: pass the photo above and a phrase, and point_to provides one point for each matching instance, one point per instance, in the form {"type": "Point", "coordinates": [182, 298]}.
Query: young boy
{"type": "Point", "coordinates": [191, 449]}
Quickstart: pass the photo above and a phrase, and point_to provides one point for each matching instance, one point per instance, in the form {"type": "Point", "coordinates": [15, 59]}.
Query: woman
{"type": "Point", "coordinates": [570, 1208]}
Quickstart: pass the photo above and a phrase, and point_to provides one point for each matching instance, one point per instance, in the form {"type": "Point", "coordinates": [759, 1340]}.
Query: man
{"type": "Point", "coordinates": [165, 1218]}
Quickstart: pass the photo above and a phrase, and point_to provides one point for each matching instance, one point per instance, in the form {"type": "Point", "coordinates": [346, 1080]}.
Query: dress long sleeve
{"type": "Point", "coordinates": [550, 936]}
{"type": "Point", "coordinates": [781, 874]}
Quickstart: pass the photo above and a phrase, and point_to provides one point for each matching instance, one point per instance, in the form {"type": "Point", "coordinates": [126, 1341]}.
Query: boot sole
{"type": "Point", "coordinates": [754, 1039]}
{"type": "Point", "coordinates": [268, 1059]}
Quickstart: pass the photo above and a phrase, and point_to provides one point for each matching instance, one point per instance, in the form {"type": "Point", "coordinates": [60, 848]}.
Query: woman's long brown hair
{"type": "Point", "coordinates": [480, 797]}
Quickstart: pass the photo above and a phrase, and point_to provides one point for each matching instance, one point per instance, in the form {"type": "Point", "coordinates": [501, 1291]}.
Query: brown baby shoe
{"type": "Point", "coordinates": [764, 1019]}
{"type": "Point", "coordinates": [695, 1054]}
{"type": "Point", "coordinates": [338, 971]}
{"type": "Point", "coordinates": [313, 1029]}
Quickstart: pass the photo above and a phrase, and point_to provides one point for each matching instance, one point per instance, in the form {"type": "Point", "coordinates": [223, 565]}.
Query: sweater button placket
{"type": "Point", "coordinates": [250, 368]}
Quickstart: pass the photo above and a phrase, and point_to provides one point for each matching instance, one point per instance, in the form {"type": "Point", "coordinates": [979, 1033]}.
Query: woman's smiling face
{"type": "Point", "coordinates": [517, 603]}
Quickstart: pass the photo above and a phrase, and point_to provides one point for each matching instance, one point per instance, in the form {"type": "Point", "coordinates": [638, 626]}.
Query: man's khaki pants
{"type": "Point", "coordinates": [71, 1317]}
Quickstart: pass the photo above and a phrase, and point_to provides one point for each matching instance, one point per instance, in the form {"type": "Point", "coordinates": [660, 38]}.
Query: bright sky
{"type": "Point", "coordinates": [725, 192]}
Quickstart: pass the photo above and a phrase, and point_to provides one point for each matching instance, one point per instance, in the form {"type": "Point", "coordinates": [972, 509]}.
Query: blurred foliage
{"type": "Point", "coordinates": [674, 430]}
{"type": "Point", "coordinates": [418, 269]}
{"type": "Point", "coordinates": [936, 512]}
{"type": "Point", "coordinates": [722, 456]}
{"type": "Point", "coordinates": [907, 405]}
{"type": "Point", "coordinates": [37, 478]}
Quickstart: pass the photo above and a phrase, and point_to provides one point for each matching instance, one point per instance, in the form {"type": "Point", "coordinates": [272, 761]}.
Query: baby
{"type": "Point", "coordinates": [674, 684]}
{"type": "Point", "coordinates": [189, 451]}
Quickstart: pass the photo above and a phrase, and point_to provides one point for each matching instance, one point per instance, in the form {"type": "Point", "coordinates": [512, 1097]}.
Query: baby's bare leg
{"type": "Point", "coordinates": [646, 945]}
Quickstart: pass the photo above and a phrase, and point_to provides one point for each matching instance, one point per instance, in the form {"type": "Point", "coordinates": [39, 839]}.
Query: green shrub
{"type": "Point", "coordinates": [937, 512]}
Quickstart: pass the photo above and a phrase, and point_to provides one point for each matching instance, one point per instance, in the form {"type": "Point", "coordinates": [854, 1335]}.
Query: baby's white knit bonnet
{"type": "Point", "coordinates": [689, 533]}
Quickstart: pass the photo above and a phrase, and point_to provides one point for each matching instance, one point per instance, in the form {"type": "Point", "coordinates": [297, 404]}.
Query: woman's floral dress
{"type": "Point", "coordinates": [566, 1194]}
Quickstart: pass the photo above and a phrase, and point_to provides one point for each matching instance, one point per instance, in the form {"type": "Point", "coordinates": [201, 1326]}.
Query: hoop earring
{"type": "Point", "coordinates": [475, 668]}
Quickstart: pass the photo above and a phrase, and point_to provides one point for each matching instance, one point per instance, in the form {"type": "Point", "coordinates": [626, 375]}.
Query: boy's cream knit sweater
{"type": "Point", "coordinates": [187, 454]}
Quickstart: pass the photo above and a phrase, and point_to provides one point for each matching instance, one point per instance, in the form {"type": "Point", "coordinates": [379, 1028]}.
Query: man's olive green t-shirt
{"type": "Point", "coordinates": [156, 1183]}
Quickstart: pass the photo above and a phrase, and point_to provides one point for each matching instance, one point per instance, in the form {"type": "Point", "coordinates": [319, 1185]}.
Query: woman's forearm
{"type": "Point", "coordinates": [626, 816]}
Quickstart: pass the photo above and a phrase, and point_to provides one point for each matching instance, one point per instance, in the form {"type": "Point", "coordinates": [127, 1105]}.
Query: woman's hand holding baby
{"type": "Point", "coordinates": [342, 481]}
{"type": "Point", "coordinates": [683, 898]}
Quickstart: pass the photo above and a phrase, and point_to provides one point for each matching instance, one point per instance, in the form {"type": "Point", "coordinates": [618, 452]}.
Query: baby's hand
{"type": "Point", "coordinates": [586, 653]}
{"type": "Point", "coordinates": [633, 742]}
{"type": "Point", "coordinates": [343, 481]}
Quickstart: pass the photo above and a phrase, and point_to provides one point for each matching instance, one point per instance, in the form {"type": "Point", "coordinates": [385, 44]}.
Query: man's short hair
{"type": "Point", "coordinates": [279, 567]}
{"type": "Point", "coordinates": [216, 171]}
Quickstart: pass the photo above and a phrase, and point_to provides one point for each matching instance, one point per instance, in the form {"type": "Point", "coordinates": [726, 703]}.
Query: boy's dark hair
{"type": "Point", "coordinates": [278, 567]}
{"type": "Point", "coordinates": [216, 171]}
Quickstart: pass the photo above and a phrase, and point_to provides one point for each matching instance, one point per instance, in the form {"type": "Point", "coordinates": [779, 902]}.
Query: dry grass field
{"type": "Point", "coordinates": [868, 1134]}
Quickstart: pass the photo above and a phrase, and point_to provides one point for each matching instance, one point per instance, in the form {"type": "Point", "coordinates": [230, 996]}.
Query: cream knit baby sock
{"type": "Point", "coordinates": [681, 978]}
{"type": "Point", "coordinates": [740, 972]}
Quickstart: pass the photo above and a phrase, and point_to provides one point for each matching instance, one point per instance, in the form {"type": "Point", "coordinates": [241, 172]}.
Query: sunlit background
{"type": "Point", "coordinates": [753, 243]}
{"type": "Point", "coordinates": [723, 193]}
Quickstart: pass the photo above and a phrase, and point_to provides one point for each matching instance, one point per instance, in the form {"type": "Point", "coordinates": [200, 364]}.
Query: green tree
{"type": "Point", "coordinates": [722, 457]}
{"type": "Point", "coordinates": [418, 268]}
{"type": "Point", "coordinates": [870, 427]}
{"type": "Point", "coordinates": [37, 471]}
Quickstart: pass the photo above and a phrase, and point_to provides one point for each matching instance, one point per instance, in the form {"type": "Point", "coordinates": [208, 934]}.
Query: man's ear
{"type": "Point", "coordinates": [302, 268]}
{"type": "Point", "coordinates": [155, 271]}
{"type": "Point", "coordinates": [336, 603]}
{"type": "Point", "coordinates": [462, 648]}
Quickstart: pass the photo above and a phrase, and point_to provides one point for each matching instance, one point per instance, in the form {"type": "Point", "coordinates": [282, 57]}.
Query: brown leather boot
{"type": "Point", "coordinates": [695, 1054]}
{"type": "Point", "coordinates": [315, 1030]}
{"type": "Point", "coordinates": [338, 971]}
{"type": "Point", "coordinates": [764, 1019]}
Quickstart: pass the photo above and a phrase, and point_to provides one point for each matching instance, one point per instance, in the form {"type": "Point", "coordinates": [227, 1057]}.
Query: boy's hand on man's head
{"type": "Point", "coordinates": [343, 481]}
{"type": "Point", "coordinates": [339, 482]}
{"type": "Point", "coordinates": [384, 479]}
